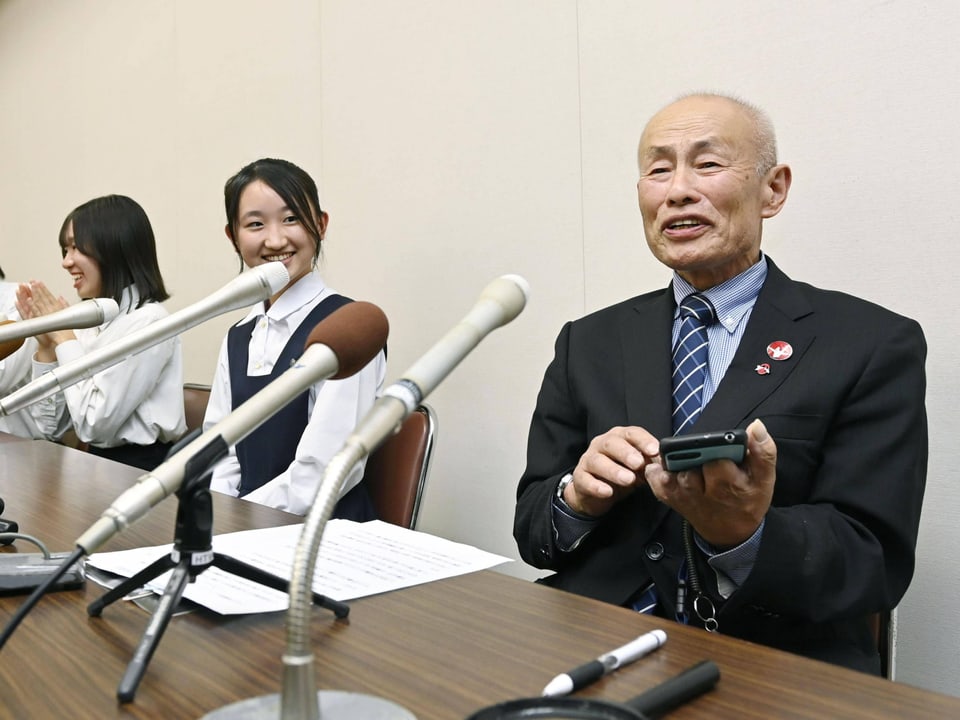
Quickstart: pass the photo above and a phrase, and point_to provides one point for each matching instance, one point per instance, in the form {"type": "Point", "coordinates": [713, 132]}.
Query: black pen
{"type": "Point", "coordinates": [592, 671]}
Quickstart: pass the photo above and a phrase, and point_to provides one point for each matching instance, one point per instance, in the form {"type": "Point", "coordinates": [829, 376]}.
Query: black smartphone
{"type": "Point", "coordinates": [686, 451]}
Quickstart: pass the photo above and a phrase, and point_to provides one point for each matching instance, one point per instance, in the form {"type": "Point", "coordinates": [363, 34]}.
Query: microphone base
{"type": "Point", "coordinates": [334, 705]}
{"type": "Point", "coordinates": [22, 572]}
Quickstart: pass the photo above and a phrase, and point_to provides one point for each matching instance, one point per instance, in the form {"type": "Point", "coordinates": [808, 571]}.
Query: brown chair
{"type": "Point", "coordinates": [396, 472]}
{"type": "Point", "coordinates": [883, 626]}
{"type": "Point", "coordinates": [195, 398]}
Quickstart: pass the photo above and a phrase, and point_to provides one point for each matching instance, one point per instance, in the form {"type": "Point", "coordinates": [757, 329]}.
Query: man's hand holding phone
{"type": "Point", "coordinates": [611, 468]}
{"type": "Point", "coordinates": [725, 502]}
{"type": "Point", "coordinates": [686, 451]}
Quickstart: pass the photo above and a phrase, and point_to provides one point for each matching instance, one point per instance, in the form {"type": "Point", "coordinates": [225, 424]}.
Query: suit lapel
{"type": "Point", "coordinates": [645, 336]}
{"type": "Point", "coordinates": [753, 375]}
{"type": "Point", "coordinates": [645, 330]}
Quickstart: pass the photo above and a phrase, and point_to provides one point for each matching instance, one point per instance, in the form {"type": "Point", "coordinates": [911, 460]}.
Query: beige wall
{"type": "Point", "coordinates": [455, 141]}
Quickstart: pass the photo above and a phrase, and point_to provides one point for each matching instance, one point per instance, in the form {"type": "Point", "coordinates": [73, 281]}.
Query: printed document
{"type": "Point", "coordinates": [355, 560]}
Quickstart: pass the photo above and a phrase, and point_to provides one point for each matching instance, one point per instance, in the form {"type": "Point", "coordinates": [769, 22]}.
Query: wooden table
{"type": "Point", "coordinates": [441, 650]}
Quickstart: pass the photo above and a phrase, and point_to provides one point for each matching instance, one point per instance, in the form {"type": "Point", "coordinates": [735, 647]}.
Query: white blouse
{"type": "Point", "coordinates": [335, 406]}
{"type": "Point", "coordinates": [15, 371]}
{"type": "Point", "coordinates": [137, 401]}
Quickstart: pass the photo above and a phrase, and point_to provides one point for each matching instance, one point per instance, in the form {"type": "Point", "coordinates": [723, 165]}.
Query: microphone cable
{"type": "Point", "coordinates": [38, 593]}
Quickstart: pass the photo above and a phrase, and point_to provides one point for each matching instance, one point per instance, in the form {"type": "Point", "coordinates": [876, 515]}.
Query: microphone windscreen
{"type": "Point", "coordinates": [511, 292]}
{"type": "Point", "coordinates": [10, 346]}
{"type": "Point", "coordinates": [274, 274]}
{"type": "Point", "coordinates": [355, 332]}
{"type": "Point", "coordinates": [108, 309]}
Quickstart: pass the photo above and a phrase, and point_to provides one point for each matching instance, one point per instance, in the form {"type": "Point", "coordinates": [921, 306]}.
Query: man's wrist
{"type": "Point", "coordinates": [565, 507]}
{"type": "Point", "coordinates": [569, 526]}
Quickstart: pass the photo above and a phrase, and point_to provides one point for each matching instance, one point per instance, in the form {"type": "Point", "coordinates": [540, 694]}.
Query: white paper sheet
{"type": "Point", "coordinates": [355, 560]}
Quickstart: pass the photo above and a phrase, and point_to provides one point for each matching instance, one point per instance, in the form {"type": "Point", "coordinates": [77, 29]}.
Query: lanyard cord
{"type": "Point", "coordinates": [702, 605]}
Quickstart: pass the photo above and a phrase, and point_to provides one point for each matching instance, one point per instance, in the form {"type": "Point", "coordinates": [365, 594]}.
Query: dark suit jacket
{"type": "Point", "coordinates": [847, 414]}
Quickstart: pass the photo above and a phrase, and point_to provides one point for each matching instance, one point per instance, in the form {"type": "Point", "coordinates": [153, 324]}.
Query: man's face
{"type": "Point", "coordinates": [701, 198]}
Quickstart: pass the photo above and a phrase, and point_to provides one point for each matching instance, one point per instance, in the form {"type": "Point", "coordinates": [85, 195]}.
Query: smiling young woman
{"type": "Point", "coordinates": [274, 215]}
{"type": "Point", "coordinates": [131, 412]}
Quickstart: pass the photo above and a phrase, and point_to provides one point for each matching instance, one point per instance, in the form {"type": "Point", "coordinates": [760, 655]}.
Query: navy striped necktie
{"type": "Point", "coordinates": [689, 377]}
{"type": "Point", "coordinates": [690, 360]}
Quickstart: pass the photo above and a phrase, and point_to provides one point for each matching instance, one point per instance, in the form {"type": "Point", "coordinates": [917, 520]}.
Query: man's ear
{"type": "Point", "coordinates": [776, 186]}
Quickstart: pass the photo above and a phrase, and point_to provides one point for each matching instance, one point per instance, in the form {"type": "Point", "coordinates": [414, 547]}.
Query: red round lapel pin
{"type": "Point", "coordinates": [779, 350]}
{"type": "Point", "coordinates": [763, 369]}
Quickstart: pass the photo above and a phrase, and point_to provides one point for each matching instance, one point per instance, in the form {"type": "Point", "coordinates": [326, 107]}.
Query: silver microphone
{"type": "Point", "coordinates": [339, 346]}
{"type": "Point", "coordinates": [258, 284]}
{"type": "Point", "coordinates": [499, 303]}
{"type": "Point", "coordinates": [88, 313]}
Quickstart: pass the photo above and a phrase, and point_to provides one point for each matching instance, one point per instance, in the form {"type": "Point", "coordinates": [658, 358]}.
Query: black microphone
{"type": "Point", "coordinates": [258, 284]}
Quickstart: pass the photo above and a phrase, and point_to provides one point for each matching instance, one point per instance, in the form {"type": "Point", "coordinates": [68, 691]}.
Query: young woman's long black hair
{"type": "Point", "coordinates": [115, 231]}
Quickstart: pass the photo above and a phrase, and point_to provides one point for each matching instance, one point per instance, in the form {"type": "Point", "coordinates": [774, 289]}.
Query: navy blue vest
{"type": "Point", "coordinates": [269, 450]}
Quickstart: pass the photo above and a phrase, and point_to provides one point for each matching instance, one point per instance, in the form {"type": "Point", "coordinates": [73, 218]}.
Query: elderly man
{"type": "Point", "coordinates": [815, 530]}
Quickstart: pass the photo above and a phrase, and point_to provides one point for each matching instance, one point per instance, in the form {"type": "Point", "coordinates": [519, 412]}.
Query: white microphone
{"type": "Point", "coordinates": [499, 303]}
{"type": "Point", "coordinates": [258, 284]}
{"type": "Point", "coordinates": [338, 347]}
{"type": "Point", "coordinates": [88, 313]}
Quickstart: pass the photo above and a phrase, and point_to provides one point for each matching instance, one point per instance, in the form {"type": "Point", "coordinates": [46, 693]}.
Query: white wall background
{"type": "Point", "coordinates": [458, 140]}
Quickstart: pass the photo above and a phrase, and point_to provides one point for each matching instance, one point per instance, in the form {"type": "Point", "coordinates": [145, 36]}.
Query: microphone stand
{"type": "Point", "coordinates": [299, 698]}
{"type": "Point", "coordinates": [192, 553]}
{"type": "Point", "coordinates": [501, 301]}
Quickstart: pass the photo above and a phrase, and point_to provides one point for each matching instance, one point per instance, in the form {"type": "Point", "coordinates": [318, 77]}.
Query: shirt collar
{"type": "Point", "coordinates": [129, 298]}
{"type": "Point", "coordinates": [732, 298]}
{"type": "Point", "coordinates": [293, 298]}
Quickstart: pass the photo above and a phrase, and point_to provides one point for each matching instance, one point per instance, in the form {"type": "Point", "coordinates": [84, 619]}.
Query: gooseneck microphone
{"type": "Point", "coordinates": [339, 346]}
{"type": "Point", "coordinates": [88, 313]}
{"type": "Point", "coordinates": [258, 284]}
{"type": "Point", "coordinates": [499, 303]}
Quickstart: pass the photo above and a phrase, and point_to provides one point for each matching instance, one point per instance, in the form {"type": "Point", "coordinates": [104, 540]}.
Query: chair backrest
{"type": "Point", "coordinates": [195, 398]}
{"type": "Point", "coordinates": [396, 472]}
{"type": "Point", "coordinates": [883, 626]}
